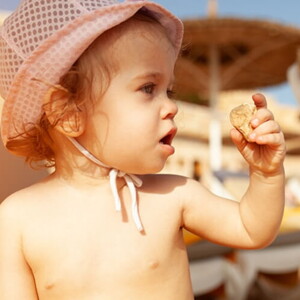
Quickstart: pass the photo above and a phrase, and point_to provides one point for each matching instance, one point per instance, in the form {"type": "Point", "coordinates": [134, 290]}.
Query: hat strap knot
{"type": "Point", "coordinates": [132, 181]}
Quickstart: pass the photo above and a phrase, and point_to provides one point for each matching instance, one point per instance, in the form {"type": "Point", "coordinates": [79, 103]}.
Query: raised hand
{"type": "Point", "coordinates": [265, 150]}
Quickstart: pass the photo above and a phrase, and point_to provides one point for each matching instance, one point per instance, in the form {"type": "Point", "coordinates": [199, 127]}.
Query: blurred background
{"type": "Point", "coordinates": [232, 49]}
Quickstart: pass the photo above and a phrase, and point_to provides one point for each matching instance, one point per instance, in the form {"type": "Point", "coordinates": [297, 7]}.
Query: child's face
{"type": "Point", "coordinates": [126, 127]}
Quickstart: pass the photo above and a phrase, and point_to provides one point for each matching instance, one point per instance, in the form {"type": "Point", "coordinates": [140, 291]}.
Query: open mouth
{"type": "Point", "coordinates": [168, 138]}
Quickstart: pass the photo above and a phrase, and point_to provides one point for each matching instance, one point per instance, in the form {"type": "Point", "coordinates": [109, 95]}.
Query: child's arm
{"type": "Point", "coordinates": [16, 279]}
{"type": "Point", "coordinates": [254, 222]}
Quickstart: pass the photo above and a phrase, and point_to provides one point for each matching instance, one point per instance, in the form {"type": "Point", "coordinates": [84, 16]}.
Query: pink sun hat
{"type": "Point", "coordinates": [42, 39]}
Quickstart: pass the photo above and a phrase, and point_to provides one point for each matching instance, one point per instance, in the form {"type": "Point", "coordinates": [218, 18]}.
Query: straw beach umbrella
{"type": "Point", "coordinates": [251, 54]}
{"type": "Point", "coordinates": [228, 54]}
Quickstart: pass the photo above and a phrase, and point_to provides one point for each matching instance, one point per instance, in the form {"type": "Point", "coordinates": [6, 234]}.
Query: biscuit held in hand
{"type": "Point", "coordinates": [240, 118]}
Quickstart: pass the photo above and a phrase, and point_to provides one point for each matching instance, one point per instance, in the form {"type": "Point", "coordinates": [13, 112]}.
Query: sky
{"type": "Point", "coordinates": [286, 12]}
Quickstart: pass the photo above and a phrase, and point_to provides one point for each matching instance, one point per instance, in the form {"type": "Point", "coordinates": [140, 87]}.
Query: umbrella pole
{"type": "Point", "coordinates": [215, 134]}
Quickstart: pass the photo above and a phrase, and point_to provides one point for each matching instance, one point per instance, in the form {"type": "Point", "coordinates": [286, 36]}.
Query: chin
{"type": "Point", "coordinates": [153, 169]}
{"type": "Point", "coordinates": [146, 168]}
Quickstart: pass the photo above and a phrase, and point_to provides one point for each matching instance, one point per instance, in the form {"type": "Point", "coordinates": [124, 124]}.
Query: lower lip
{"type": "Point", "coordinates": [168, 148]}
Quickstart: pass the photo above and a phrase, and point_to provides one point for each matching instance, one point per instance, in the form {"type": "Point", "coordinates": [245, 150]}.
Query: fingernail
{"type": "Point", "coordinates": [252, 136]}
{"type": "Point", "coordinates": [255, 122]}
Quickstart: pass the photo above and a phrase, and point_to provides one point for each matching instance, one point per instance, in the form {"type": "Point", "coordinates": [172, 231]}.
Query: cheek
{"type": "Point", "coordinates": [99, 128]}
{"type": "Point", "coordinates": [129, 137]}
{"type": "Point", "coordinates": [134, 125]}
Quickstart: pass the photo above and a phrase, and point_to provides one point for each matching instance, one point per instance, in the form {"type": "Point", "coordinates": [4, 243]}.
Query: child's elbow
{"type": "Point", "coordinates": [262, 241]}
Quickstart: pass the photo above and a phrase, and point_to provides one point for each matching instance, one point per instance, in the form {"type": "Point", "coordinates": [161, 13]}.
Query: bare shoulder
{"type": "Point", "coordinates": [11, 213]}
{"type": "Point", "coordinates": [14, 202]}
{"type": "Point", "coordinates": [14, 267]}
{"type": "Point", "coordinates": [21, 201]}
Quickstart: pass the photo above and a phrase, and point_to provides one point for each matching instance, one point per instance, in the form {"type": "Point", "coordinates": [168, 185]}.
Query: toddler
{"type": "Point", "coordinates": [88, 89]}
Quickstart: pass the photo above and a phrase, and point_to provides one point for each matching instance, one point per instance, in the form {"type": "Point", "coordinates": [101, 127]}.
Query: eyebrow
{"type": "Point", "coordinates": [155, 75]}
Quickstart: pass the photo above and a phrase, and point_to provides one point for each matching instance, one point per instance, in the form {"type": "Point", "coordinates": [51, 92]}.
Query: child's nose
{"type": "Point", "coordinates": [169, 109]}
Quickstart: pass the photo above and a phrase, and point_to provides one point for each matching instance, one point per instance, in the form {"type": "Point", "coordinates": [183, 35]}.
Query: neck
{"type": "Point", "coordinates": [114, 177]}
{"type": "Point", "coordinates": [74, 164]}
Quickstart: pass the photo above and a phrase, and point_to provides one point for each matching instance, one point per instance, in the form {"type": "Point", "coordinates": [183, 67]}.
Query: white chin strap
{"type": "Point", "coordinates": [131, 180]}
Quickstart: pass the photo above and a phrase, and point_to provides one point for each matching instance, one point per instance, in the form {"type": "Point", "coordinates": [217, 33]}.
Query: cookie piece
{"type": "Point", "coordinates": [240, 118]}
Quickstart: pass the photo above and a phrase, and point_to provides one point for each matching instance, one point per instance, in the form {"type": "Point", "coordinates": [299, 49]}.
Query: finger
{"type": "Point", "coordinates": [261, 116]}
{"type": "Point", "coordinates": [273, 139]}
{"type": "Point", "coordinates": [259, 100]}
{"type": "Point", "coordinates": [265, 128]}
{"type": "Point", "coordinates": [238, 139]}
{"type": "Point", "coordinates": [236, 135]}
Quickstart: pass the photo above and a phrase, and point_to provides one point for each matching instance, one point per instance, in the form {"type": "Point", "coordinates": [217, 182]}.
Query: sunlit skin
{"type": "Point", "coordinates": [61, 239]}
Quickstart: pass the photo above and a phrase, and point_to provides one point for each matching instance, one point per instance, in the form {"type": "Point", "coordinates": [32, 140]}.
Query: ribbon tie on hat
{"type": "Point", "coordinates": [132, 181]}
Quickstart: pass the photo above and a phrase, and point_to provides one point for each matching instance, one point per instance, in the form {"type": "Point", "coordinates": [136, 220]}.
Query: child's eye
{"type": "Point", "coordinates": [171, 94]}
{"type": "Point", "coordinates": [149, 88]}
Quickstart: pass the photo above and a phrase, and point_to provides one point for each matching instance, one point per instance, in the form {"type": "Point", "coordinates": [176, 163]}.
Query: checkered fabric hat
{"type": "Point", "coordinates": [42, 39]}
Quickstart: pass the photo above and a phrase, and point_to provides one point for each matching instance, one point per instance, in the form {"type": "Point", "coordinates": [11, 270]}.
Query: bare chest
{"type": "Point", "coordinates": [72, 249]}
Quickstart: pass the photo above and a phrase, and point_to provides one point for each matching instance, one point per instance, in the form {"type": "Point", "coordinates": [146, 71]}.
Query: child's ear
{"type": "Point", "coordinates": [64, 115]}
